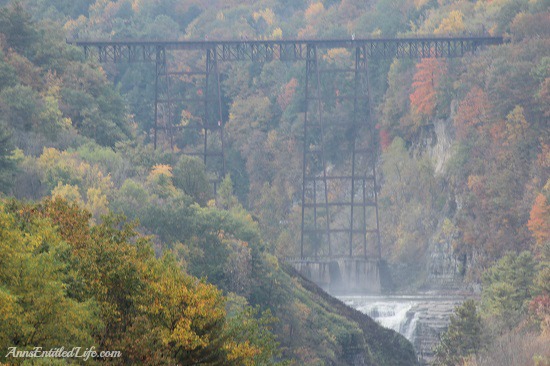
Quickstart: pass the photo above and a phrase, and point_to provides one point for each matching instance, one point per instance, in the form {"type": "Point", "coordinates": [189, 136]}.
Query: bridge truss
{"type": "Point", "coordinates": [335, 208]}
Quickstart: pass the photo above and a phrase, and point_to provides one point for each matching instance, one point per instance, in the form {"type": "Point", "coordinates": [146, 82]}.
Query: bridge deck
{"type": "Point", "coordinates": [288, 49]}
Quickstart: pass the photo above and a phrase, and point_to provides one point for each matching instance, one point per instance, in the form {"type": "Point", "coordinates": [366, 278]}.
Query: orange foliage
{"type": "Point", "coordinates": [539, 221]}
{"type": "Point", "coordinates": [71, 221]}
{"type": "Point", "coordinates": [285, 98]}
{"type": "Point", "coordinates": [473, 111]}
{"type": "Point", "coordinates": [425, 83]}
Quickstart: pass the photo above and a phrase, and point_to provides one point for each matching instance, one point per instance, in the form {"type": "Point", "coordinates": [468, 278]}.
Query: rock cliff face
{"type": "Point", "coordinates": [440, 149]}
{"type": "Point", "coordinates": [445, 269]}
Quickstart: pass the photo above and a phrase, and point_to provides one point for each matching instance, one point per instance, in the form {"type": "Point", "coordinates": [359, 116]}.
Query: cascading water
{"type": "Point", "coordinates": [420, 319]}
{"type": "Point", "coordinates": [397, 315]}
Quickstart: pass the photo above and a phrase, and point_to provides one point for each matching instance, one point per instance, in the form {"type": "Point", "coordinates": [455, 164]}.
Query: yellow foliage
{"type": "Point", "coordinates": [314, 11]}
{"type": "Point", "coordinates": [337, 55]}
{"type": "Point", "coordinates": [67, 192]}
{"type": "Point", "coordinates": [302, 310]}
{"type": "Point", "coordinates": [267, 14]}
{"type": "Point", "coordinates": [516, 125]}
{"type": "Point", "coordinates": [241, 352]}
{"type": "Point", "coordinates": [96, 202]}
{"type": "Point", "coordinates": [453, 24]}
{"type": "Point", "coordinates": [277, 33]}
{"type": "Point", "coordinates": [160, 180]}
{"type": "Point", "coordinates": [161, 169]}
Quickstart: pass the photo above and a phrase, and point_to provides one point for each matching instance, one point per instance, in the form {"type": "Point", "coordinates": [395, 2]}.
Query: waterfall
{"type": "Point", "coordinates": [420, 318]}
{"type": "Point", "coordinates": [398, 316]}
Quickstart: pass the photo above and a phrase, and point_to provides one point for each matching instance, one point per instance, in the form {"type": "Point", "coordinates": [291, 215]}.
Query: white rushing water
{"type": "Point", "coordinates": [420, 319]}
{"type": "Point", "coordinates": [397, 313]}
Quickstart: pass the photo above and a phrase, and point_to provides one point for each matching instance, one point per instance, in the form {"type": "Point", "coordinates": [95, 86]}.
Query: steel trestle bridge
{"type": "Point", "coordinates": [335, 208]}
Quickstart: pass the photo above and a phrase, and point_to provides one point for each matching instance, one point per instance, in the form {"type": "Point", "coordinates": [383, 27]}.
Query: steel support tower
{"type": "Point", "coordinates": [339, 211]}
{"type": "Point", "coordinates": [330, 219]}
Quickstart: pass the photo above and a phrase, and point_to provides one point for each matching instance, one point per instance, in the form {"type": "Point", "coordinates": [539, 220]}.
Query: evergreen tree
{"type": "Point", "coordinates": [462, 338]}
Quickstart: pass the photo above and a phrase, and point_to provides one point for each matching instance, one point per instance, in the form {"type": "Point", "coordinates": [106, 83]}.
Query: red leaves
{"type": "Point", "coordinates": [426, 81]}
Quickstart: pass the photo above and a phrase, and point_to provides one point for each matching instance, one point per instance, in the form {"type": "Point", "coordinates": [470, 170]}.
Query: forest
{"type": "Point", "coordinates": [106, 241]}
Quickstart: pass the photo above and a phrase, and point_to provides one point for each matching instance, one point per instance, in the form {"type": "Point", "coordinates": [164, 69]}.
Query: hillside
{"type": "Point", "coordinates": [464, 157]}
{"type": "Point", "coordinates": [189, 281]}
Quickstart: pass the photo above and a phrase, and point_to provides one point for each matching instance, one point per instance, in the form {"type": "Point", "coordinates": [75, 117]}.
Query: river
{"type": "Point", "coordinates": [421, 318]}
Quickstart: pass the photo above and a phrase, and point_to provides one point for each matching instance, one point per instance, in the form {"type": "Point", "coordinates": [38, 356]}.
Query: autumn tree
{"type": "Point", "coordinates": [539, 222]}
{"type": "Point", "coordinates": [426, 81]}
{"type": "Point", "coordinates": [453, 24]}
{"type": "Point", "coordinates": [37, 309]}
{"type": "Point", "coordinates": [474, 113]}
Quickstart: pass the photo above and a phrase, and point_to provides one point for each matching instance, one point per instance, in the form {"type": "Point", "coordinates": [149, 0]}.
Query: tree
{"type": "Point", "coordinates": [37, 309]}
{"type": "Point", "coordinates": [20, 106]}
{"type": "Point", "coordinates": [453, 24]}
{"type": "Point", "coordinates": [426, 80]}
{"type": "Point", "coordinates": [7, 162]}
{"type": "Point", "coordinates": [473, 113]}
{"type": "Point", "coordinates": [18, 28]}
{"type": "Point", "coordinates": [189, 175]}
{"type": "Point", "coordinates": [508, 285]}
{"type": "Point", "coordinates": [539, 221]}
{"type": "Point", "coordinates": [226, 199]}
{"type": "Point", "coordinates": [462, 337]}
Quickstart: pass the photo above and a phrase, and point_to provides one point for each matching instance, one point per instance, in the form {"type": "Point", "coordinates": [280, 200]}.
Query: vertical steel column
{"type": "Point", "coordinates": [205, 94]}
{"type": "Point", "coordinates": [220, 112]}
{"type": "Point", "coordinates": [160, 69]}
{"type": "Point", "coordinates": [213, 122]}
{"type": "Point", "coordinates": [354, 124]}
{"type": "Point", "coordinates": [364, 233]}
{"type": "Point", "coordinates": [322, 148]}
{"type": "Point", "coordinates": [312, 71]}
{"type": "Point", "coordinates": [373, 145]}
{"type": "Point", "coordinates": [304, 155]}
{"type": "Point", "coordinates": [169, 101]}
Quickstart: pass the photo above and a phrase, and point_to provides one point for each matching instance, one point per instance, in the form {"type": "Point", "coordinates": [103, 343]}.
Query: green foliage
{"type": "Point", "coordinates": [508, 285]}
{"type": "Point", "coordinates": [463, 336]}
{"type": "Point", "coordinates": [8, 163]}
{"type": "Point", "coordinates": [50, 97]}
{"type": "Point", "coordinates": [36, 308]}
{"type": "Point", "coordinates": [47, 90]}
{"type": "Point", "coordinates": [20, 106]}
{"type": "Point", "coordinates": [190, 176]}
{"type": "Point", "coordinates": [17, 27]}
{"type": "Point", "coordinates": [66, 282]}
{"type": "Point", "coordinates": [8, 77]}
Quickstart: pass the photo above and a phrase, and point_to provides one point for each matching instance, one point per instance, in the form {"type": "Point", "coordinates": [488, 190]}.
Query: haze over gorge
{"type": "Point", "coordinates": [261, 182]}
